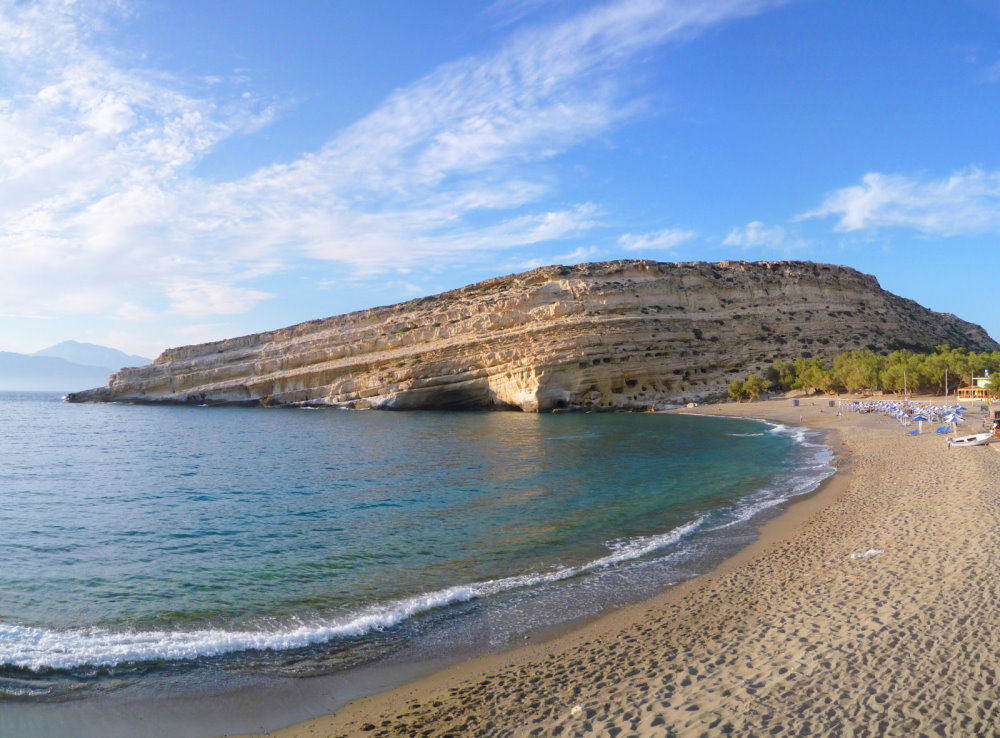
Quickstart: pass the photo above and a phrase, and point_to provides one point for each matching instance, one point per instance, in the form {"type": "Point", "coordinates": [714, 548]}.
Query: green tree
{"type": "Point", "coordinates": [903, 368]}
{"type": "Point", "coordinates": [754, 387]}
{"type": "Point", "coordinates": [988, 361]}
{"type": "Point", "coordinates": [892, 376]}
{"type": "Point", "coordinates": [773, 378]}
{"type": "Point", "coordinates": [812, 375]}
{"type": "Point", "coordinates": [965, 365]}
{"type": "Point", "coordinates": [780, 376]}
{"type": "Point", "coordinates": [737, 390]}
{"type": "Point", "coordinates": [855, 370]}
{"type": "Point", "coordinates": [994, 384]}
{"type": "Point", "coordinates": [936, 365]}
{"type": "Point", "coordinates": [860, 369]}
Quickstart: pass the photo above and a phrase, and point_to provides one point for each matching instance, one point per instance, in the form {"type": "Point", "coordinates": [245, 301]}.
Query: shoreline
{"type": "Point", "coordinates": [216, 704]}
{"type": "Point", "coordinates": [429, 702]}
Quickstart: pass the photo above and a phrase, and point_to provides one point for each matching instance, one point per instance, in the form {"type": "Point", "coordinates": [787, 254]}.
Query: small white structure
{"type": "Point", "coordinates": [978, 392]}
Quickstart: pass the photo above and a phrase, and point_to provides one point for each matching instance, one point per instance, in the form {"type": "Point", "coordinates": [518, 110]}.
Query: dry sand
{"type": "Point", "coordinates": [791, 637]}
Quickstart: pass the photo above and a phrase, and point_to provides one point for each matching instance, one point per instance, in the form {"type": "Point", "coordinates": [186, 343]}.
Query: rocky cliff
{"type": "Point", "coordinates": [622, 334]}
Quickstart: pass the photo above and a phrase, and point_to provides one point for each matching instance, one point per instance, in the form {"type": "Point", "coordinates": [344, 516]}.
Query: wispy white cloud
{"type": "Point", "coordinates": [578, 255]}
{"type": "Point", "coordinates": [510, 12]}
{"type": "Point", "coordinates": [92, 157]}
{"type": "Point", "coordinates": [134, 313]}
{"type": "Point", "coordinates": [96, 161]}
{"type": "Point", "coordinates": [196, 297]}
{"type": "Point", "coordinates": [758, 235]}
{"type": "Point", "coordinates": [400, 185]}
{"type": "Point", "coordinates": [966, 202]}
{"type": "Point", "coordinates": [657, 240]}
{"type": "Point", "coordinates": [410, 288]}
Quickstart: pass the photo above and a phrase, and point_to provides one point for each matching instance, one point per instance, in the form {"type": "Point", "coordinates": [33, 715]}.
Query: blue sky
{"type": "Point", "coordinates": [177, 172]}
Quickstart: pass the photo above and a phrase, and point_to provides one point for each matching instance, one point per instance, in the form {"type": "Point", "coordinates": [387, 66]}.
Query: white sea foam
{"type": "Point", "coordinates": [809, 474]}
{"type": "Point", "coordinates": [39, 649]}
{"type": "Point", "coordinates": [798, 434]}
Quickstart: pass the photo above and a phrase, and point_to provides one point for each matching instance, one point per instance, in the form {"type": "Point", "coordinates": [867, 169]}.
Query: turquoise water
{"type": "Point", "coordinates": [144, 541]}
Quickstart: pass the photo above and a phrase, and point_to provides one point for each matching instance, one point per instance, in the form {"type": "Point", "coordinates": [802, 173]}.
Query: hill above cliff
{"type": "Point", "coordinates": [24, 372]}
{"type": "Point", "coordinates": [90, 354]}
{"type": "Point", "coordinates": [610, 335]}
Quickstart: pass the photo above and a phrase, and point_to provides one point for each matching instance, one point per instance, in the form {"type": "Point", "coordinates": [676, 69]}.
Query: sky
{"type": "Point", "coordinates": [174, 172]}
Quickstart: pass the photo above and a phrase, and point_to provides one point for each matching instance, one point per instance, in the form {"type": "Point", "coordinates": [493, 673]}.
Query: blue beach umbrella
{"type": "Point", "coordinates": [952, 420]}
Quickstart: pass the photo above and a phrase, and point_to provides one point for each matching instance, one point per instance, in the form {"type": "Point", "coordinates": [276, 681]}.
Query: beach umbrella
{"type": "Point", "coordinates": [920, 417]}
{"type": "Point", "coordinates": [952, 419]}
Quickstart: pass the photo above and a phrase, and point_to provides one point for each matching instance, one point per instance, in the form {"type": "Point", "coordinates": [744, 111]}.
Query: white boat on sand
{"type": "Point", "coordinates": [979, 439]}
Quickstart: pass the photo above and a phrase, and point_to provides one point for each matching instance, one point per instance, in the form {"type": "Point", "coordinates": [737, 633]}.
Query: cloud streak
{"type": "Point", "coordinates": [757, 235]}
{"type": "Point", "coordinates": [96, 183]}
{"type": "Point", "coordinates": [967, 202]}
{"type": "Point", "coordinates": [656, 241]}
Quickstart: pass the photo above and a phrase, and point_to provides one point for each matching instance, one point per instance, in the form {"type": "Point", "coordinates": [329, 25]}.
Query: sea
{"type": "Point", "coordinates": [158, 555]}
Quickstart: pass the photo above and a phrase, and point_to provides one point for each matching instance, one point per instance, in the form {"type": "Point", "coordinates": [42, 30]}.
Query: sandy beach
{"type": "Point", "coordinates": [868, 608]}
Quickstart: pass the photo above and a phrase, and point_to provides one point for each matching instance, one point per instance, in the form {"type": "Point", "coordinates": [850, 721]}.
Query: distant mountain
{"type": "Point", "coordinates": [90, 354]}
{"type": "Point", "coordinates": [30, 373]}
{"type": "Point", "coordinates": [69, 365]}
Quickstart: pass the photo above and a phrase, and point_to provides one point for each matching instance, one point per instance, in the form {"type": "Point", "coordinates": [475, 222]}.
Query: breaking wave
{"type": "Point", "coordinates": [40, 649]}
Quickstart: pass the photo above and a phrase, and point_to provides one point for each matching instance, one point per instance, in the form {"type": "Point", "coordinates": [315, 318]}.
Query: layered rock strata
{"type": "Point", "coordinates": [611, 335]}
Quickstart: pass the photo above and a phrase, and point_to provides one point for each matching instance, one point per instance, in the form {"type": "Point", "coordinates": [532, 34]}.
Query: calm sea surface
{"type": "Point", "coordinates": [148, 544]}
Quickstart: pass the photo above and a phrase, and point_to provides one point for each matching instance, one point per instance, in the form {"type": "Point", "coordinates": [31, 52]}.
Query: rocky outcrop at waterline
{"type": "Point", "coordinates": [610, 335]}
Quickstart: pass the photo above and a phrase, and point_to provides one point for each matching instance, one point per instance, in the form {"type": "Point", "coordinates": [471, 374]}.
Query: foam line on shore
{"type": "Point", "coordinates": [41, 649]}
{"type": "Point", "coordinates": [809, 474]}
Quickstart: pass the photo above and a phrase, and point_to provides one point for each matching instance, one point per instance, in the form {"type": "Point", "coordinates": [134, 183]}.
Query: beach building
{"type": "Point", "coordinates": [978, 392]}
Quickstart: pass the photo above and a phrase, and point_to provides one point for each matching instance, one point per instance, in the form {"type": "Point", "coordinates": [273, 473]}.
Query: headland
{"type": "Point", "coordinates": [620, 335]}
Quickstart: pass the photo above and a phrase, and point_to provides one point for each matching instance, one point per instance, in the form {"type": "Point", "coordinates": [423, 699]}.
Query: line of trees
{"type": "Point", "coordinates": [752, 387]}
{"type": "Point", "coordinates": [852, 371]}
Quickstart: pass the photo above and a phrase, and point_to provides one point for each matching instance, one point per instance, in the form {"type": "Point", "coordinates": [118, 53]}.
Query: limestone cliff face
{"type": "Point", "coordinates": [612, 335]}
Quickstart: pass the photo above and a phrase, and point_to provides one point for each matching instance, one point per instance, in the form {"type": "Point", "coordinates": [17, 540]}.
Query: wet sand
{"type": "Point", "coordinates": [869, 608]}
